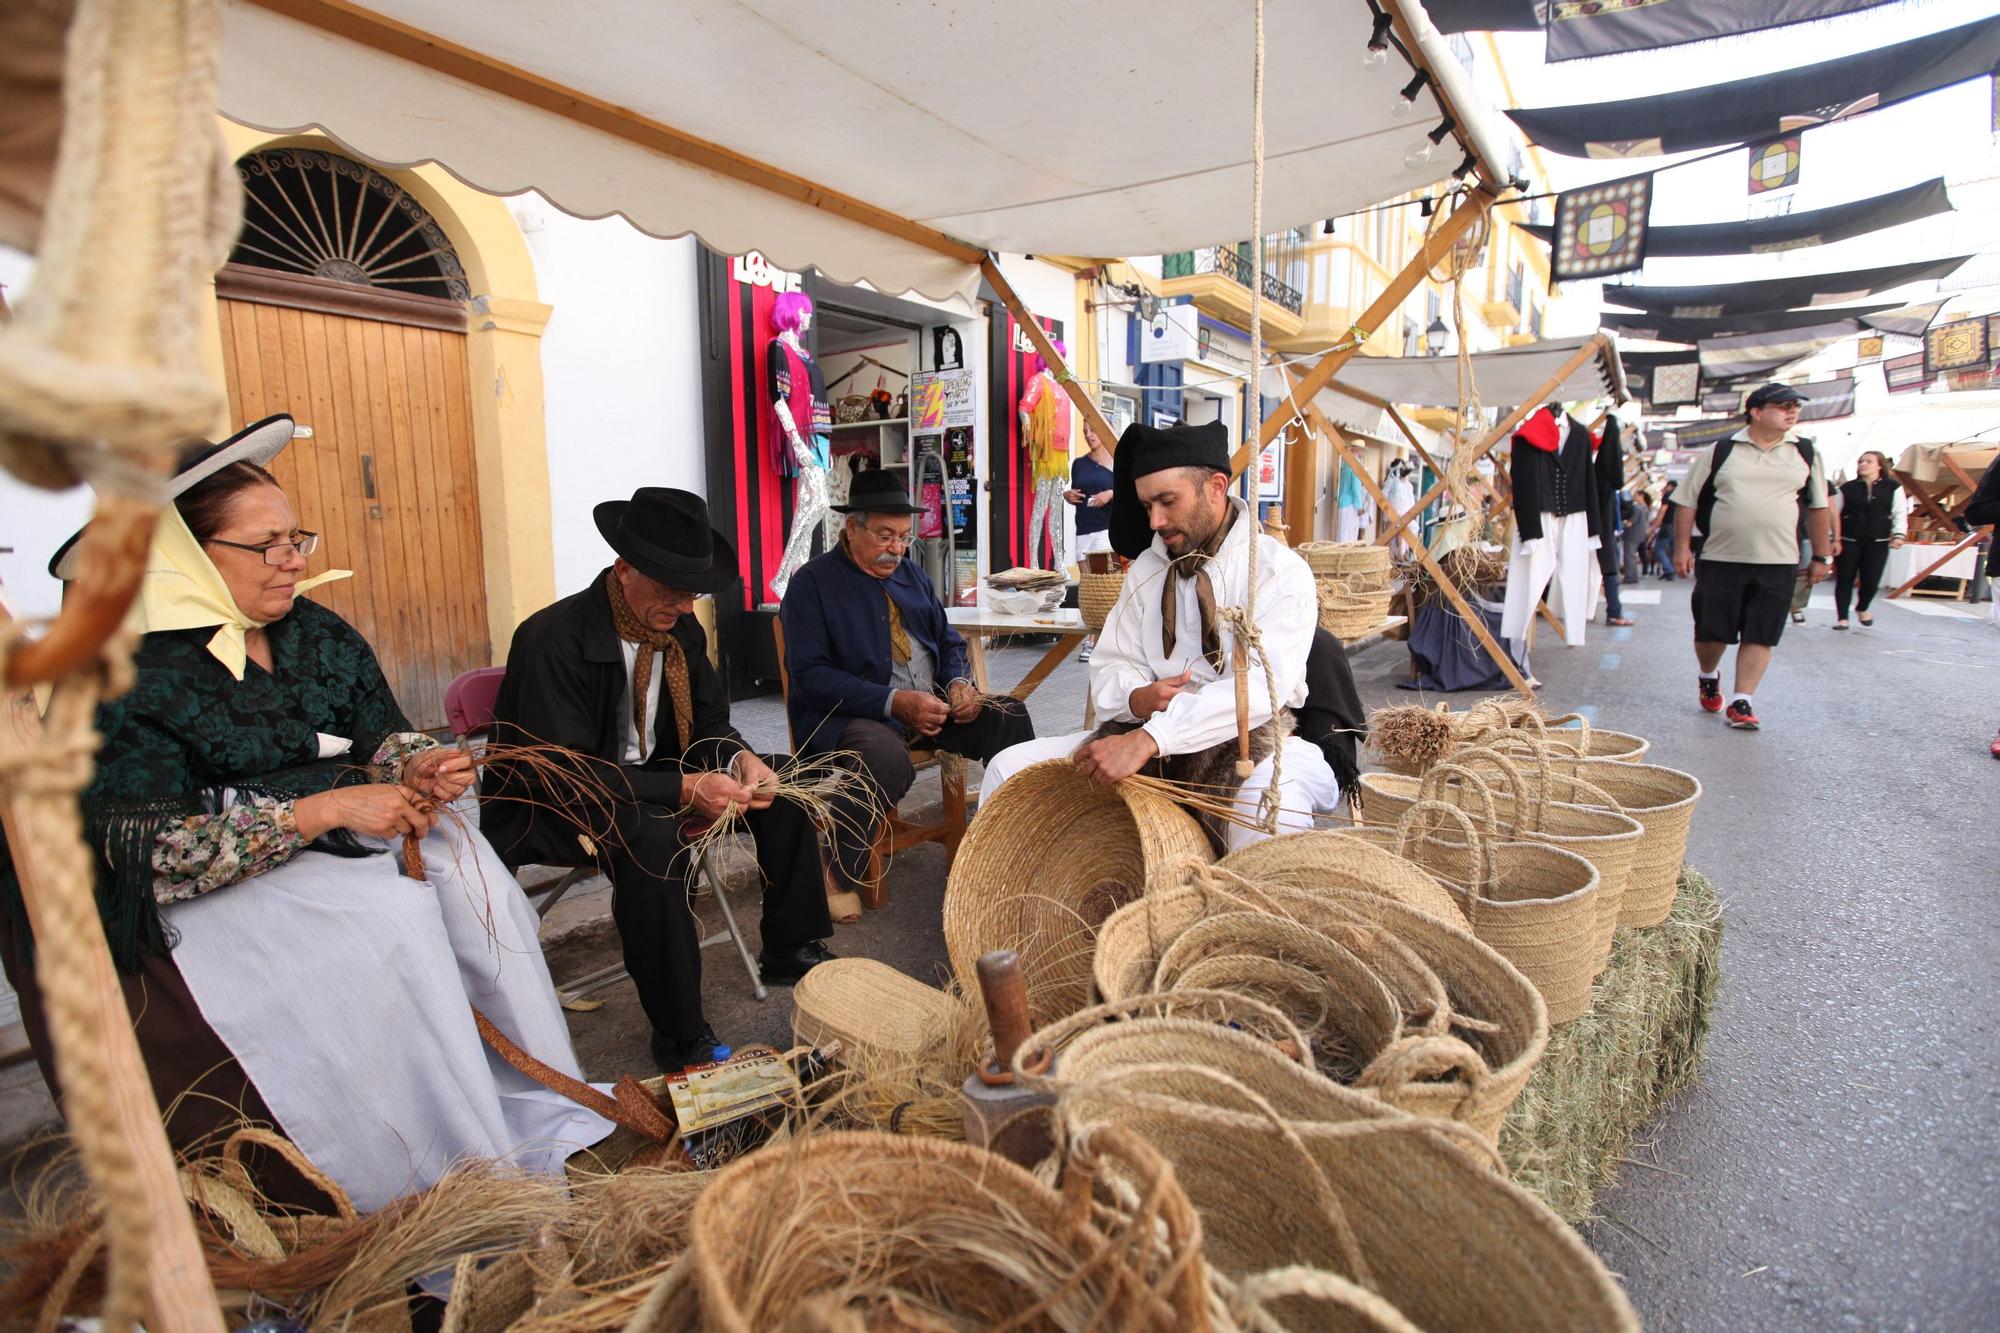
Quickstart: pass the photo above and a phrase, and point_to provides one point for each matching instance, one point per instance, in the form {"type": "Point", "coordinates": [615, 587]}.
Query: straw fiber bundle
{"type": "Point", "coordinates": [1287, 1172]}
{"type": "Point", "coordinates": [1328, 859]}
{"type": "Point", "coordinates": [858, 1231]}
{"type": "Point", "coordinates": [1096, 594]}
{"type": "Point", "coordinates": [1612, 1071]}
{"type": "Point", "coordinates": [1473, 1025]}
{"type": "Point", "coordinates": [1534, 903]}
{"type": "Point", "coordinates": [1409, 738]}
{"type": "Point", "coordinates": [1663, 801]}
{"type": "Point", "coordinates": [1049, 858]}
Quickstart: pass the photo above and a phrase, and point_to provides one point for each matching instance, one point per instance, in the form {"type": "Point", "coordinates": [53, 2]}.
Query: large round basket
{"type": "Point", "coordinates": [1574, 733]}
{"type": "Point", "coordinates": [1051, 855]}
{"type": "Point", "coordinates": [850, 1230]}
{"type": "Point", "coordinates": [1096, 594]}
{"type": "Point", "coordinates": [1403, 1208]}
{"type": "Point", "coordinates": [1663, 801]}
{"type": "Point", "coordinates": [1341, 558]}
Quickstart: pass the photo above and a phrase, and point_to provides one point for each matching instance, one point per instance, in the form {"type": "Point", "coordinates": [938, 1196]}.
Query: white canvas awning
{"type": "Point", "coordinates": [891, 143]}
{"type": "Point", "coordinates": [1506, 378]}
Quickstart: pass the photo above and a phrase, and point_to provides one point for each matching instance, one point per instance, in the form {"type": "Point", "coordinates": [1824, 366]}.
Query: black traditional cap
{"type": "Point", "coordinates": [1144, 450]}
{"type": "Point", "coordinates": [877, 492]}
{"type": "Point", "coordinates": [1773, 395]}
{"type": "Point", "coordinates": [665, 535]}
{"type": "Point", "coordinates": [258, 443]}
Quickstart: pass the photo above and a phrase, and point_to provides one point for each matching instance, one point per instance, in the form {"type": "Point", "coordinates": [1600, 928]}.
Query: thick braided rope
{"type": "Point", "coordinates": [1242, 620]}
{"type": "Point", "coordinates": [104, 348]}
{"type": "Point", "coordinates": [43, 777]}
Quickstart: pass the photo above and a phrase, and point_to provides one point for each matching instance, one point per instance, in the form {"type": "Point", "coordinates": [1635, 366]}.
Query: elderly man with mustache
{"type": "Point", "coordinates": [875, 667]}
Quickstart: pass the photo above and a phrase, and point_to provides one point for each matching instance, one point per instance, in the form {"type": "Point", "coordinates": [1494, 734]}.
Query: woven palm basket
{"type": "Point", "coordinates": [1050, 856]}
{"type": "Point", "coordinates": [1096, 594]}
{"type": "Point", "coordinates": [1347, 613]}
{"type": "Point", "coordinates": [1342, 558]}
{"type": "Point", "coordinates": [1663, 801]}
{"type": "Point", "coordinates": [880, 1018]}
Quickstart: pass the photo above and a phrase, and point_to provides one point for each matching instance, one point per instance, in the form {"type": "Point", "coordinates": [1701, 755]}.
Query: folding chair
{"type": "Point", "coordinates": [897, 833]}
{"type": "Point", "coordinates": [468, 708]}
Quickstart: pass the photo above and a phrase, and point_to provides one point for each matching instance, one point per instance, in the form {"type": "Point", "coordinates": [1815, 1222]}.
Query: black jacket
{"type": "Point", "coordinates": [567, 685]}
{"type": "Point", "coordinates": [1332, 716]}
{"type": "Point", "coordinates": [1557, 482]}
{"type": "Point", "coordinates": [1866, 516]}
{"type": "Point", "coordinates": [1608, 468]}
{"type": "Point", "coordinates": [1985, 508]}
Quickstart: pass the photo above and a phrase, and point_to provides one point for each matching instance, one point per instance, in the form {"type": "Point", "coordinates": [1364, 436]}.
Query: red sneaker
{"type": "Point", "coordinates": [1711, 694]}
{"type": "Point", "coordinates": [1740, 716]}
{"type": "Point", "coordinates": [1996, 745]}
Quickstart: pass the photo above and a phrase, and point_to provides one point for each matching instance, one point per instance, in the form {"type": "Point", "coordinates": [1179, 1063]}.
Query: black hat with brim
{"type": "Point", "coordinates": [1144, 450]}
{"type": "Point", "coordinates": [665, 535]}
{"type": "Point", "coordinates": [877, 492]}
{"type": "Point", "coordinates": [257, 443]}
{"type": "Point", "coordinates": [1773, 395]}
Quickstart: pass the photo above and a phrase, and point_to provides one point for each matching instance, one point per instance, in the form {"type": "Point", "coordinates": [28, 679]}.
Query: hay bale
{"type": "Point", "coordinates": [1613, 1070]}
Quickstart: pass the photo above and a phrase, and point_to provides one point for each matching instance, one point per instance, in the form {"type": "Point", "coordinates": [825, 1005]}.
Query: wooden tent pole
{"type": "Point", "coordinates": [1924, 573]}
{"type": "Point", "coordinates": [1300, 501]}
{"type": "Point", "coordinates": [1506, 427]}
{"type": "Point", "coordinates": [1093, 417]}
{"type": "Point", "coordinates": [1473, 620]}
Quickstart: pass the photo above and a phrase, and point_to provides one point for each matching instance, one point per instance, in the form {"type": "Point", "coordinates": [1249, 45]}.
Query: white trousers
{"type": "Point", "coordinates": [1561, 561]}
{"type": "Point", "coordinates": [1093, 543]}
{"type": "Point", "coordinates": [1306, 787]}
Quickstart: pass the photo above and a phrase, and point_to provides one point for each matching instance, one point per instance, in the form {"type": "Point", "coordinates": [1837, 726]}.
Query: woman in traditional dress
{"type": "Point", "coordinates": [251, 794]}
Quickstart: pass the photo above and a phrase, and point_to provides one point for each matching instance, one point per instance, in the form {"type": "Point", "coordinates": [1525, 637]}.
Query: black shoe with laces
{"type": "Point", "coordinates": [782, 967]}
{"type": "Point", "coordinates": [673, 1055]}
{"type": "Point", "coordinates": [1740, 716]}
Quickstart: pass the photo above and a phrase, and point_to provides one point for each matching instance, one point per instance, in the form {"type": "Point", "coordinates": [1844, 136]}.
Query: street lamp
{"type": "Point", "coordinates": [1435, 335]}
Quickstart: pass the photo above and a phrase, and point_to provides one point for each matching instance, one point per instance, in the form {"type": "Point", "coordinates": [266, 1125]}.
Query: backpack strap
{"type": "Point", "coordinates": [1704, 504]}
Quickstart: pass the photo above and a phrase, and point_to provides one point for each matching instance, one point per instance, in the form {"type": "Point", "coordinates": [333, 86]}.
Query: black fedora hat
{"type": "Point", "coordinates": [665, 535]}
{"type": "Point", "coordinates": [259, 443]}
{"type": "Point", "coordinates": [878, 492]}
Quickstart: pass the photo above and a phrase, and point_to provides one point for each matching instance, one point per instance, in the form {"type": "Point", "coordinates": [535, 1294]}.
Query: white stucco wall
{"type": "Point", "coordinates": [621, 371]}
{"type": "Point", "coordinates": [33, 522]}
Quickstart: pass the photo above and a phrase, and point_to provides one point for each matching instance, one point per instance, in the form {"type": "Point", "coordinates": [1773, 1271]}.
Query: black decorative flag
{"type": "Point", "coordinates": [1955, 346]}
{"type": "Point", "coordinates": [1601, 229]}
{"type": "Point", "coordinates": [1769, 104]}
{"type": "Point", "coordinates": [1579, 28]}
{"type": "Point", "coordinates": [1905, 374]}
{"type": "Point", "coordinates": [1771, 295]}
{"type": "Point", "coordinates": [1775, 165]}
{"type": "Point", "coordinates": [1792, 231]}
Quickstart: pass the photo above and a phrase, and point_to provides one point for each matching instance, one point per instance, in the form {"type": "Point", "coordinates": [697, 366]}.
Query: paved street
{"type": "Point", "coordinates": [1835, 1164]}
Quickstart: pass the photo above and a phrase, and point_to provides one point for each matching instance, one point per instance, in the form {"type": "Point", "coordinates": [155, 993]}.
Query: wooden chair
{"type": "Point", "coordinates": [897, 833]}
{"type": "Point", "coordinates": [468, 707]}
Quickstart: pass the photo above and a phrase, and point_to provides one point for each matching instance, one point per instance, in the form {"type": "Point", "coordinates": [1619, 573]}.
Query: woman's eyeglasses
{"type": "Point", "coordinates": [276, 553]}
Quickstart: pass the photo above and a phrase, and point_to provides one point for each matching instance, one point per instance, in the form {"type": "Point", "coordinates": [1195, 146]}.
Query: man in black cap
{"type": "Point", "coordinates": [1746, 496]}
{"type": "Point", "coordinates": [620, 672]}
{"type": "Point", "coordinates": [1163, 674]}
{"type": "Point", "coordinates": [875, 667]}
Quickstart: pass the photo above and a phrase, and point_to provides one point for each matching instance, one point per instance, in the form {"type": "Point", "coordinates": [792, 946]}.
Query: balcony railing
{"type": "Point", "coordinates": [1234, 265]}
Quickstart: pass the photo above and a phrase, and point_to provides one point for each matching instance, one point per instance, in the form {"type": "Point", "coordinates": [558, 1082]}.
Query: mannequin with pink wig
{"type": "Point", "coordinates": [1045, 416]}
{"type": "Point", "coordinates": [799, 431]}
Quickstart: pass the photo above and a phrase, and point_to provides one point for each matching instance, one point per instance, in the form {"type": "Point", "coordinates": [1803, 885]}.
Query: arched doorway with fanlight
{"type": "Point", "coordinates": [345, 304]}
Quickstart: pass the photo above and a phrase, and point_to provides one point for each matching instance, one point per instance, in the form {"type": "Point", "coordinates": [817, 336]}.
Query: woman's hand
{"type": "Point", "coordinates": [441, 773]}
{"type": "Point", "coordinates": [379, 809]}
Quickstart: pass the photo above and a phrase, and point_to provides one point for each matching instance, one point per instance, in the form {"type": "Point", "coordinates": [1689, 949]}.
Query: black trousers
{"type": "Point", "coordinates": [649, 870]}
{"type": "Point", "coordinates": [883, 758]}
{"type": "Point", "coordinates": [1864, 561]}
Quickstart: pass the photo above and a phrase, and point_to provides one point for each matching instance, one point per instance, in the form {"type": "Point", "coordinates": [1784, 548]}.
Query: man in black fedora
{"type": "Point", "coordinates": [620, 672]}
{"type": "Point", "coordinates": [874, 665]}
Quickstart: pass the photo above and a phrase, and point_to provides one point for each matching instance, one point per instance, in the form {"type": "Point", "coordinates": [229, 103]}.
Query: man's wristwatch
{"type": "Point", "coordinates": [1822, 560]}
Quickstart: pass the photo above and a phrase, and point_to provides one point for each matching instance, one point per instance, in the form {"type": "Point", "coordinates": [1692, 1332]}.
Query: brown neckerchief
{"type": "Point", "coordinates": [1194, 565]}
{"type": "Point", "coordinates": [649, 641]}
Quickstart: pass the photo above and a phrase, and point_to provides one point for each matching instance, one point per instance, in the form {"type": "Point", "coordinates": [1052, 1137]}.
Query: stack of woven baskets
{"type": "Point", "coordinates": [1353, 579]}
{"type": "Point", "coordinates": [1096, 593]}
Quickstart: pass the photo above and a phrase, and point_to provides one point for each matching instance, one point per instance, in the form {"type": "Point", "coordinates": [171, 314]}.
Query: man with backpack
{"type": "Point", "coordinates": [1746, 496]}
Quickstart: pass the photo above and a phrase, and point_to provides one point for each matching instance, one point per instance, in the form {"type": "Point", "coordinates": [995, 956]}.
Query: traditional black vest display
{"type": "Point", "coordinates": [1867, 513]}
{"type": "Point", "coordinates": [1553, 471]}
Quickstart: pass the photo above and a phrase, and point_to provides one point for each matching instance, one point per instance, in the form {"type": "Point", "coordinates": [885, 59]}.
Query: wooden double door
{"type": "Point", "coordinates": [386, 476]}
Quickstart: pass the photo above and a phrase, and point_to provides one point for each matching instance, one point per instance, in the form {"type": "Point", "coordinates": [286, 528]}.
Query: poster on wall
{"type": "Point", "coordinates": [1271, 471]}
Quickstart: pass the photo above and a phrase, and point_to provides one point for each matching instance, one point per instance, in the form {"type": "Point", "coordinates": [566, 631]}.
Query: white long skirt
{"type": "Point", "coordinates": [1305, 786]}
{"type": "Point", "coordinates": [346, 992]}
{"type": "Point", "coordinates": [1560, 560]}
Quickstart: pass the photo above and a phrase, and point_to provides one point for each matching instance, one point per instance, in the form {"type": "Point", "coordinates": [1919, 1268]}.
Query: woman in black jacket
{"type": "Point", "coordinates": [1874, 515]}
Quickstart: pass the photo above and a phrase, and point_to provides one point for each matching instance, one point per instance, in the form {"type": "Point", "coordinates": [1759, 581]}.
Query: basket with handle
{"type": "Point", "coordinates": [1663, 801]}
{"type": "Point", "coordinates": [1347, 612]}
{"type": "Point", "coordinates": [1533, 903]}
{"type": "Point", "coordinates": [1343, 558]}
